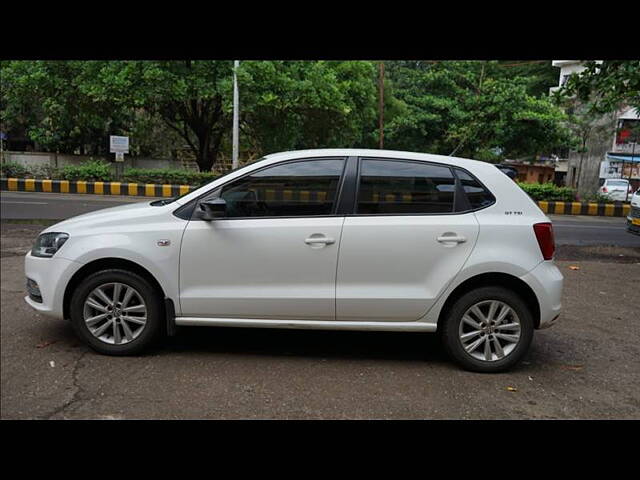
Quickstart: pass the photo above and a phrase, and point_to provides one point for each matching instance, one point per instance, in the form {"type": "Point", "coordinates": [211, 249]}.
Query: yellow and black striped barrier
{"type": "Point", "coordinates": [165, 190]}
{"type": "Point", "coordinates": [585, 208]}
{"type": "Point", "coordinates": [96, 188]}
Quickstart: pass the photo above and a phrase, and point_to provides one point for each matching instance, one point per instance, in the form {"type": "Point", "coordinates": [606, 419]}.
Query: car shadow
{"type": "Point", "coordinates": [404, 346]}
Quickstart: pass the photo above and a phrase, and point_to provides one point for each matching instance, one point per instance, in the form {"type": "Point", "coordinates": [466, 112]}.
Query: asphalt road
{"type": "Point", "coordinates": [569, 230]}
{"type": "Point", "coordinates": [56, 206]}
{"type": "Point", "coordinates": [585, 366]}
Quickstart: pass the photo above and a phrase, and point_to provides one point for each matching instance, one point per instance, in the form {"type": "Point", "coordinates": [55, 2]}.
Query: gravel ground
{"type": "Point", "coordinates": [586, 366]}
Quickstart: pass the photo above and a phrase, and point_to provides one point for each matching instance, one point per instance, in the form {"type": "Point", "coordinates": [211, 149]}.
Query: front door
{"type": "Point", "coordinates": [274, 255]}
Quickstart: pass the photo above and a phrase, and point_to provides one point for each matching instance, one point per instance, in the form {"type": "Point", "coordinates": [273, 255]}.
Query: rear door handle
{"type": "Point", "coordinates": [313, 240]}
{"type": "Point", "coordinates": [451, 238]}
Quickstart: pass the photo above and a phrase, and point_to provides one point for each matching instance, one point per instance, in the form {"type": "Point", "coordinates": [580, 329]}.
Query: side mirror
{"type": "Point", "coordinates": [212, 209]}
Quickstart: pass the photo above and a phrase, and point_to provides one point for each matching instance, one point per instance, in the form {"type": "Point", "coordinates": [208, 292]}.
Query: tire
{"type": "Point", "coordinates": [503, 333]}
{"type": "Point", "coordinates": [134, 334]}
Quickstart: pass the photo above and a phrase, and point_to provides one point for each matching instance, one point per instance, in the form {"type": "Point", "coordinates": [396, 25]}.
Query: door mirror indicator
{"type": "Point", "coordinates": [212, 209]}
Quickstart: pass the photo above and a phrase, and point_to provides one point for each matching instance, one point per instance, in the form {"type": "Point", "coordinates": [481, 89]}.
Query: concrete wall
{"type": "Point", "coordinates": [32, 159]}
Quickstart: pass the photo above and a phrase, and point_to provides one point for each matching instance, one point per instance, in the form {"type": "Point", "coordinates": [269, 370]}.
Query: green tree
{"type": "Point", "coordinates": [50, 101]}
{"type": "Point", "coordinates": [192, 97]}
{"type": "Point", "coordinates": [467, 109]}
{"type": "Point", "coordinates": [605, 86]}
{"type": "Point", "coordinates": [300, 104]}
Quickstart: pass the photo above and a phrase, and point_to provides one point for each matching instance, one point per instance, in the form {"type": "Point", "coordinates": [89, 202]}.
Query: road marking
{"type": "Point", "coordinates": [27, 203]}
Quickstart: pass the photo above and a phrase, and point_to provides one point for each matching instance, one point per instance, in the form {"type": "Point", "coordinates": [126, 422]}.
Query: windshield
{"type": "Point", "coordinates": [617, 183]}
{"type": "Point", "coordinates": [167, 201]}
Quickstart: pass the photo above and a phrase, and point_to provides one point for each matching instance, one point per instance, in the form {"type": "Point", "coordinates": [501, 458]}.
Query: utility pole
{"type": "Point", "coordinates": [381, 102]}
{"type": "Point", "coordinates": [234, 155]}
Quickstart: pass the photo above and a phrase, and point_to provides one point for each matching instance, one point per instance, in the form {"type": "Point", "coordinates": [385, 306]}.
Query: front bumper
{"type": "Point", "coordinates": [546, 281]}
{"type": "Point", "coordinates": [52, 276]}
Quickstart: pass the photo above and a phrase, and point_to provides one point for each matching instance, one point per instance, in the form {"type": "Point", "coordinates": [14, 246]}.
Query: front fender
{"type": "Point", "coordinates": [141, 248]}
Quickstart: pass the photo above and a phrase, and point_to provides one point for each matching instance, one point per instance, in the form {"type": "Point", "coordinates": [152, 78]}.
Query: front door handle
{"type": "Point", "coordinates": [317, 238]}
{"type": "Point", "coordinates": [451, 238]}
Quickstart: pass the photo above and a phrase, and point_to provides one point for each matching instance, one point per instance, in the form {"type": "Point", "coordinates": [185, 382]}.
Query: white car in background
{"type": "Point", "coordinates": [633, 219]}
{"type": "Point", "coordinates": [339, 239]}
{"type": "Point", "coordinates": [616, 189]}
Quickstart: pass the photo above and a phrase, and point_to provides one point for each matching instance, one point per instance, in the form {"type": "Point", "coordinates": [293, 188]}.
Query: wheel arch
{"type": "Point", "coordinates": [103, 264]}
{"type": "Point", "coordinates": [500, 279]}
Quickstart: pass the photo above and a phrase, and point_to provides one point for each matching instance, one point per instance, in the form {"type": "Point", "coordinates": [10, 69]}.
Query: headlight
{"type": "Point", "coordinates": [48, 244]}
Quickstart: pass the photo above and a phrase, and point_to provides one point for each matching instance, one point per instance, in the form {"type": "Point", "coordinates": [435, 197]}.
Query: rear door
{"type": "Point", "coordinates": [404, 243]}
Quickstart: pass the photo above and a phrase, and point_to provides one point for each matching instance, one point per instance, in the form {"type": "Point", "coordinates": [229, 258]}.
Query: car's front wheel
{"type": "Point", "coordinates": [488, 329]}
{"type": "Point", "coordinates": [116, 312]}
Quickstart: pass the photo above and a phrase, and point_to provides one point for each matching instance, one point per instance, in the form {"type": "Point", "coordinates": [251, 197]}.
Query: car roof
{"type": "Point", "coordinates": [365, 152]}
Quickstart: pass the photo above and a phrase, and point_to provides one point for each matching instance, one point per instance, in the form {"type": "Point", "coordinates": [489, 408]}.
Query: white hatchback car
{"type": "Point", "coordinates": [339, 239]}
{"type": "Point", "coordinates": [616, 189]}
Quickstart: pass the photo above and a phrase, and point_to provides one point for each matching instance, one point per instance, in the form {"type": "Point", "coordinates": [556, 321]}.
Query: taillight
{"type": "Point", "coordinates": [544, 234]}
{"type": "Point", "coordinates": [604, 189]}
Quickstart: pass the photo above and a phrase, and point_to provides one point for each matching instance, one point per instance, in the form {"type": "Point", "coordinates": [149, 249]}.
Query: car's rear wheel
{"type": "Point", "coordinates": [116, 312]}
{"type": "Point", "coordinates": [488, 329]}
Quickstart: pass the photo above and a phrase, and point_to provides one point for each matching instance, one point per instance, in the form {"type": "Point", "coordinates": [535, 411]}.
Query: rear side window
{"type": "Point", "coordinates": [286, 190]}
{"type": "Point", "coordinates": [391, 186]}
{"type": "Point", "coordinates": [477, 195]}
{"type": "Point", "coordinates": [617, 183]}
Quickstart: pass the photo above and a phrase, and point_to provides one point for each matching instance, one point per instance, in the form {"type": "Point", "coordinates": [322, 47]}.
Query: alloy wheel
{"type": "Point", "coordinates": [489, 330]}
{"type": "Point", "coordinates": [115, 313]}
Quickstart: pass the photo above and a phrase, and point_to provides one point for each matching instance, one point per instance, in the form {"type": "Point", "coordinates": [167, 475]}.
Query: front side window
{"type": "Point", "coordinates": [391, 187]}
{"type": "Point", "coordinates": [299, 188]}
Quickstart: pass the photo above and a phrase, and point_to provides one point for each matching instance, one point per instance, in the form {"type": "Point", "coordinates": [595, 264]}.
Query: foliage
{"type": "Point", "coordinates": [605, 86]}
{"type": "Point", "coordinates": [91, 170]}
{"type": "Point", "coordinates": [192, 97]}
{"type": "Point", "coordinates": [459, 108]}
{"type": "Point", "coordinates": [300, 105]}
{"type": "Point", "coordinates": [478, 109]}
{"type": "Point", "coordinates": [548, 192]}
{"type": "Point", "coordinates": [13, 170]}
{"type": "Point", "coordinates": [98, 170]}
{"type": "Point", "coordinates": [43, 171]}
{"type": "Point", "coordinates": [596, 197]}
{"type": "Point", "coordinates": [17, 170]}
{"type": "Point", "coordinates": [168, 176]}
{"type": "Point", "coordinates": [50, 101]}
{"type": "Point", "coordinates": [539, 75]}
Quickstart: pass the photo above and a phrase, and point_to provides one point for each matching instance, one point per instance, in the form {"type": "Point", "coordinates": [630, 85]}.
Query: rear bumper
{"type": "Point", "coordinates": [546, 281]}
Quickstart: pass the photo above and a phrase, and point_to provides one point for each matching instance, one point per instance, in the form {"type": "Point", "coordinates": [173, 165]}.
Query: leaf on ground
{"type": "Point", "coordinates": [512, 389]}
{"type": "Point", "coordinates": [573, 367]}
{"type": "Point", "coordinates": [46, 343]}
{"type": "Point", "coordinates": [574, 267]}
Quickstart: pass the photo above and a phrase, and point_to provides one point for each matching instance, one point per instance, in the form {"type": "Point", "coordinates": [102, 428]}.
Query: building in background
{"type": "Point", "coordinates": [608, 154]}
{"type": "Point", "coordinates": [623, 160]}
{"type": "Point", "coordinates": [533, 172]}
{"type": "Point", "coordinates": [567, 68]}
